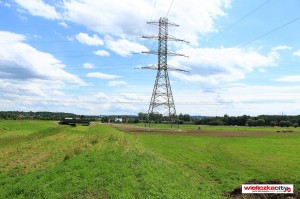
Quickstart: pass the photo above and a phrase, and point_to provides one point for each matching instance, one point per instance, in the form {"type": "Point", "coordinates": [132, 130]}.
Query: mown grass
{"type": "Point", "coordinates": [227, 162]}
{"type": "Point", "coordinates": [45, 160]}
{"type": "Point", "coordinates": [87, 162]}
{"type": "Point", "coordinates": [219, 128]}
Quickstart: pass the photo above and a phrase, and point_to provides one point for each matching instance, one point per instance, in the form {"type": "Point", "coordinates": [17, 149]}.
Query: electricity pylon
{"type": "Point", "coordinates": [162, 97]}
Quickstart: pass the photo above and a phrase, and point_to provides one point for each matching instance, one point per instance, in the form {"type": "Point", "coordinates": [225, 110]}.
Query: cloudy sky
{"type": "Point", "coordinates": [81, 56]}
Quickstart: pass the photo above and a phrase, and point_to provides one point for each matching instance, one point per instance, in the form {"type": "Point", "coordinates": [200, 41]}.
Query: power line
{"type": "Point", "coordinates": [153, 9]}
{"type": "Point", "coordinates": [266, 34]}
{"type": "Point", "coordinates": [190, 103]}
{"type": "Point", "coordinates": [261, 36]}
{"type": "Point", "coordinates": [40, 42]}
{"type": "Point", "coordinates": [281, 94]}
{"type": "Point", "coordinates": [153, 42]}
{"type": "Point", "coordinates": [169, 8]}
{"type": "Point", "coordinates": [240, 20]}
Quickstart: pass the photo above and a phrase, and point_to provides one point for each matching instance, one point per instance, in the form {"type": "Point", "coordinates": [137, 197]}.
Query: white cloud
{"type": "Point", "coordinates": [124, 47]}
{"type": "Point", "coordinates": [29, 79]}
{"type": "Point", "coordinates": [102, 75]}
{"type": "Point", "coordinates": [281, 48]}
{"type": "Point", "coordinates": [63, 24]}
{"type": "Point", "coordinates": [5, 4]}
{"type": "Point", "coordinates": [290, 78]}
{"type": "Point", "coordinates": [101, 53]}
{"type": "Point", "coordinates": [70, 38]}
{"type": "Point", "coordinates": [104, 16]}
{"type": "Point", "coordinates": [87, 40]}
{"type": "Point", "coordinates": [212, 65]}
{"type": "Point", "coordinates": [122, 102]}
{"type": "Point", "coordinates": [88, 66]}
{"type": "Point", "coordinates": [117, 83]}
{"type": "Point", "coordinates": [238, 100]}
{"type": "Point", "coordinates": [19, 60]}
{"type": "Point", "coordinates": [262, 70]}
{"type": "Point", "coordinates": [39, 8]}
{"type": "Point", "coordinates": [297, 53]}
{"type": "Point", "coordinates": [97, 15]}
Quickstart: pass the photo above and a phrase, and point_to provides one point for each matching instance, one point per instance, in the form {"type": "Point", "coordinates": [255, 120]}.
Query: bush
{"type": "Point", "coordinates": [215, 123]}
{"type": "Point", "coordinates": [295, 125]}
{"type": "Point", "coordinates": [272, 123]}
{"type": "Point", "coordinates": [260, 122]}
{"type": "Point", "coordinates": [285, 123]}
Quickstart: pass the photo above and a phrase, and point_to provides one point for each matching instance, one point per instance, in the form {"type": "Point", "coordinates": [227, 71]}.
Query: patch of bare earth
{"type": "Point", "coordinates": [175, 131]}
{"type": "Point", "coordinates": [237, 192]}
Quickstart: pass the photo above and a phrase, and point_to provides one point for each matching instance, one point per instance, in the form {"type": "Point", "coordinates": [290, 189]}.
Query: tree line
{"type": "Point", "coordinates": [244, 120]}
{"type": "Point", "coordinates": [20, 115]}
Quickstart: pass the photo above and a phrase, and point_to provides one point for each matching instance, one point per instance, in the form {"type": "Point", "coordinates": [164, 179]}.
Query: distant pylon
{"type": "Point", "coordinates": [162, 98]}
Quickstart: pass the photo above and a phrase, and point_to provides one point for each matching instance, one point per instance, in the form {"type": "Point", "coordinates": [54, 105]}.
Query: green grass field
{"type": "Point", "coordinates": [40, 159]}
{"type": "Point", "coordinates": [220, 128]}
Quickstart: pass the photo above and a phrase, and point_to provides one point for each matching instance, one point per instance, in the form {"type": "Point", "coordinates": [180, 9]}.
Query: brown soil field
{"type": "Point", "coordinates": [145, 130]}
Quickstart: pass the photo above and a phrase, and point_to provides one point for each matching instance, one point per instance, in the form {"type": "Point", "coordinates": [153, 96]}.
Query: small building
{"type": "Point", "coordinates": [118, 120]}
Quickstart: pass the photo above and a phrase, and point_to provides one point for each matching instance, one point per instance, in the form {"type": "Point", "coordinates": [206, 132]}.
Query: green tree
{"type": "Point", "coordinates": [282, 123]}
{"type": "Point", "coordinates": [186, 117]}
{"type": "Point", "coordinates": [285, 123]}
{"type": "Point", "coordinates": [226, 119]}
{"type": "Point", "coordinates": [142, 116]}
{"type": "Point", "coordinates": [250, 122]}
{"type": "Point", "coordinates": [260, 122]}
{"type": "Point", "coordinates": [272, 123]}
{"type": "Point", "coordinates": [295, 125]}
{"type": "Point", "coordinates": [104, 119]}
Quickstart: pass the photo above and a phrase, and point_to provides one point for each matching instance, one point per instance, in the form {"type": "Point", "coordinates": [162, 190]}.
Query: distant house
{"type": "Point", "coordinates": [118, 120]}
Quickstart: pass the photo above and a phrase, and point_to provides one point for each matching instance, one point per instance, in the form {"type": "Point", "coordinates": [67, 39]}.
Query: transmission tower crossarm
{"type": "Point", "coordinates": [150, 52]}
{"type": "Point", "coordinates": [168, 23]}
{"type": "Point", "coordinates": [164, 53]}
{"type": "Point", "coordinates": [150, 37]}
{"type": "Point", "coordinates": [155, 67]}
{"type": "Point", "coordinates": [172, 68]}
{"type": "Point", "coordinates": [176, 54]}
{"type": "Point", "coordinates": [169, 38]}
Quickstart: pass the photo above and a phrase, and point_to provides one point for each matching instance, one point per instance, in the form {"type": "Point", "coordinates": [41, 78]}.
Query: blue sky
{"type": "Point", "coordinates": [81, 56]}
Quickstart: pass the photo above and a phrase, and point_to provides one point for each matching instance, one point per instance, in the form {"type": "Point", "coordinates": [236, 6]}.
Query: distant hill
{"type": "Point", "coordinates": [120, 116]}
{"type": "Point", "coordinates": [198, 117]}
{"type": "Point", "coordinates": [12, 115]}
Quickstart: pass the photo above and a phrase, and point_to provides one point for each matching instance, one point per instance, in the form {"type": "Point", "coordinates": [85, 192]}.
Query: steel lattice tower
{"type": "Point", "coordinates": [162, 97]}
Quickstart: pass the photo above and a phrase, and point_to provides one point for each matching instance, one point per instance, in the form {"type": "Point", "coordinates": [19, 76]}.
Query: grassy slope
{"type": "Point", "coordinates": [83, 162]}
{"type": "Point", "coordinates": [42, 160]}
{"type": "Point", "coordinates": [227, 162]}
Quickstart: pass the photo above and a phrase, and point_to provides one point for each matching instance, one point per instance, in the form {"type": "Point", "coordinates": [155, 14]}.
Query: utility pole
{"type": "Point", "coordinates": [162, 98]}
